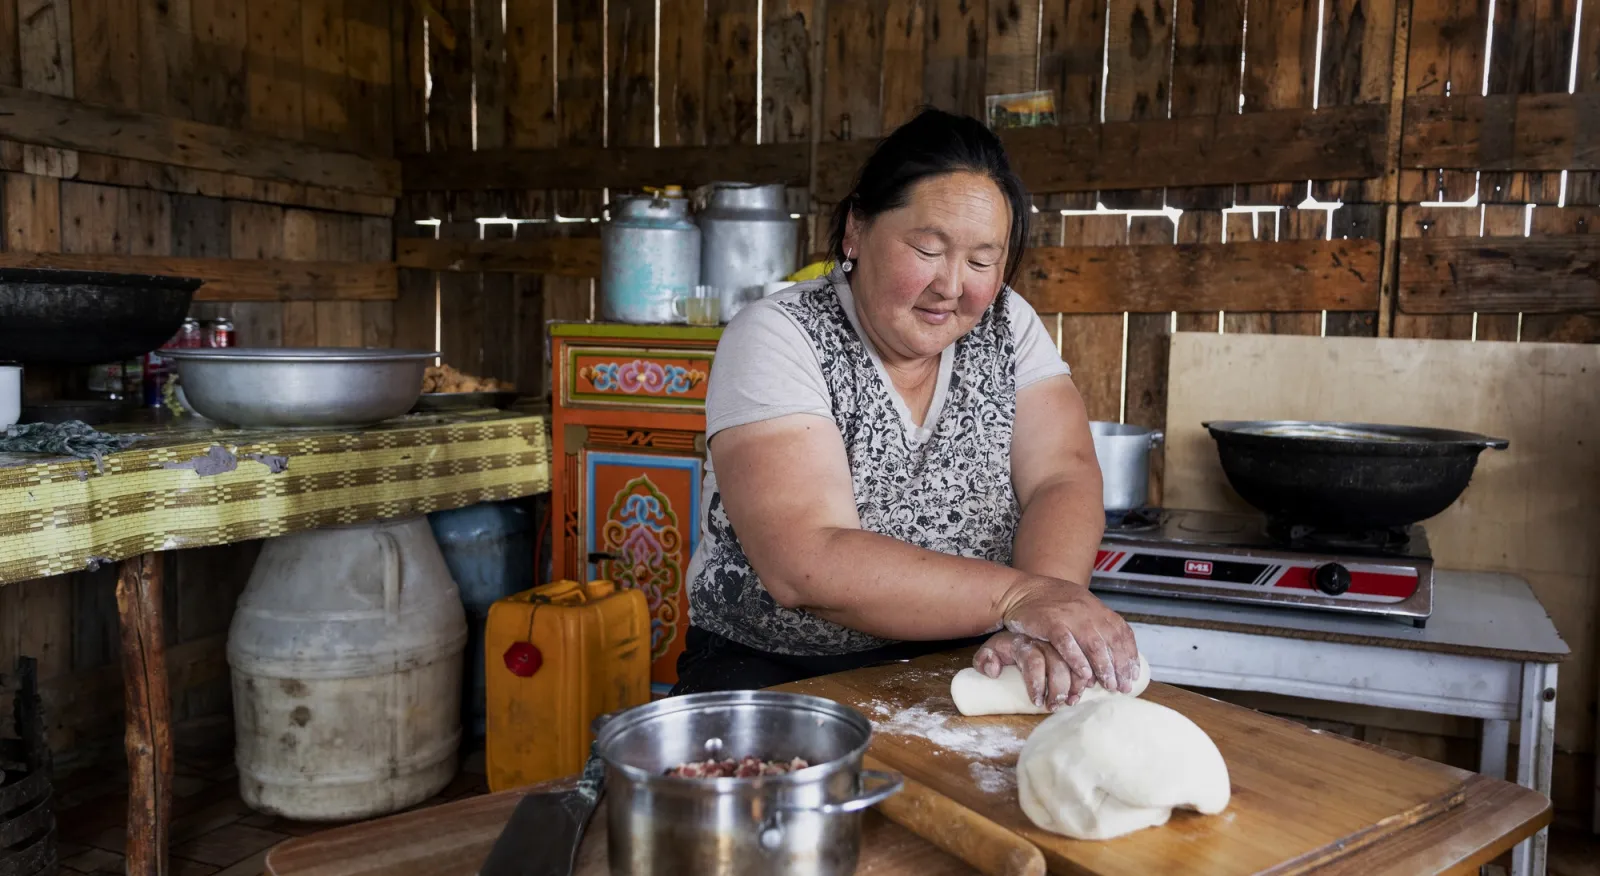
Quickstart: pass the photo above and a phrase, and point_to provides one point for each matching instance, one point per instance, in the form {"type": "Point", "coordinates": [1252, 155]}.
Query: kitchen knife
{"type": "Point", "coordinates": [545, 831]}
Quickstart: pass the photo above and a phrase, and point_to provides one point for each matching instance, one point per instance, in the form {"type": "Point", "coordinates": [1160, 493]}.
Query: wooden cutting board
{"type": "Point", "coordinates": [1300, 798]}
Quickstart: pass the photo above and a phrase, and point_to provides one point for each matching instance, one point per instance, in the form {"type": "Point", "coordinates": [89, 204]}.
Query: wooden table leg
{"type": "Point", "coordinates": [148, 735]}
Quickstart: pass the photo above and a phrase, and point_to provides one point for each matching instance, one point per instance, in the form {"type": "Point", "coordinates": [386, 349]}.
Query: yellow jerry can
{"type": "Point", "coordinates": [556, 657]}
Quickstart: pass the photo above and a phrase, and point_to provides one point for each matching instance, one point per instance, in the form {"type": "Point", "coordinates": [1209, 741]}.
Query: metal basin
{"type": "Point", "coordinates": [88, 317]}
{"type": "Point", "coordinates": [308, 388]}
{"type": "Point", "coordinates": [807, 822]}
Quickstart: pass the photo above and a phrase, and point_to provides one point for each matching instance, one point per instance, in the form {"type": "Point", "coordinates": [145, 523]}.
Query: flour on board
{"type": "Point", "coordinates": [948, 730]}
{"type": "Point", "coordinates": [991, 779]}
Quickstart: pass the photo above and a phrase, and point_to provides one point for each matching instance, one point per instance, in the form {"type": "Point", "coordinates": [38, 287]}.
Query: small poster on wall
{"type": "Point", "coordinates": [1026, 109]}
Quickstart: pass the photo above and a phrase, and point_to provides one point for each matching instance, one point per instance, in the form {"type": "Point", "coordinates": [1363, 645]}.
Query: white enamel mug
{"type": "Point", "coordinates": [10, 393]}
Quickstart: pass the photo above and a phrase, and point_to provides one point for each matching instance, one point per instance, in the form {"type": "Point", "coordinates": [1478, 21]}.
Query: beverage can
{"type": "Point", "coordinates": [157, 371]}
{"type": "Point", "coordinates": [189, 335]}
{"type": "Point", "coordinates": [221, 333]}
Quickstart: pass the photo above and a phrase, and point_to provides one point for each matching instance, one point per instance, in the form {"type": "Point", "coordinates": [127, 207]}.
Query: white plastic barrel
{"type": "Point", "coordinates": [346, 656]}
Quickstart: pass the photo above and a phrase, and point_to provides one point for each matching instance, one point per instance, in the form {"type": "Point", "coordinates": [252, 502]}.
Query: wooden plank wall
{"type": "Point", "coordinates": [768, 73]}
{"type": "Point", "coordinates": [308, 83]}
{"type": "Point", "coordinates": [543, 77]}
{"type": "Point", "coordinates": [624, 79]}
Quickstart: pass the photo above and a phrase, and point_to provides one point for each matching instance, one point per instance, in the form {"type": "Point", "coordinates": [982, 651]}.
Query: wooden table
{"type": "Point", "coordinates": [1296, 791]}
{"type": "Point", "coordinates": [192, 485]}
{"type": "Point", "coordinates": [453, 839]}
{"type": "Point", "coordinates": [1489, 652]}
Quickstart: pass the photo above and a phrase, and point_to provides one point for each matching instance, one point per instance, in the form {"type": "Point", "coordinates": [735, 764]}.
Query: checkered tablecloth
{"type": "Point", "coordinates": [190, 486]}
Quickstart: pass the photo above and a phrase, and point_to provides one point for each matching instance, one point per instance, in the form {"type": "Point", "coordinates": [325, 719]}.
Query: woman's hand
{"type": "Point", "coordinates": [1049, 680]}
{"type": "Point", "coordinates": [1091, 642]}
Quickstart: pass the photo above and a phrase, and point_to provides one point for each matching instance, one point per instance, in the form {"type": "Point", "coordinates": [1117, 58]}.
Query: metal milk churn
{"type": "Point", "coordinates": [750, 240]}
{"type": "Point", "coordinates": [345, 653]}
{"type": "Point", "coordinates": [649, 258]}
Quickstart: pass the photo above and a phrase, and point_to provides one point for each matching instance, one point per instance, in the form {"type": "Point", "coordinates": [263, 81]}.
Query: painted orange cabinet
{"type": "Point", "coordinates": [628, 443]}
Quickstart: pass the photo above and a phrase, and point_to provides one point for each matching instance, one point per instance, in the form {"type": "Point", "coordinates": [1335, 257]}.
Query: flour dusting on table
{"type": "Point", "coordinates": [937, 721]}
{"type": "Point", "coordinates": [991, 779]}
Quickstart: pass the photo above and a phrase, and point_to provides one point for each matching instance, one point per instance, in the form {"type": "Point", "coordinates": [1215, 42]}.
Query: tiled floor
{"type": "Point", "coordinates": [213, 832]}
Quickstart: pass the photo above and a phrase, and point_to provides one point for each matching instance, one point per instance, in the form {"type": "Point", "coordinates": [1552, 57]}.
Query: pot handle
{"type": "Point", "coordinates": [600, 721]}
{"type": "Point", "coordinates": [1496, 443]}
{"type": "Point", "coordinates": [889, 785]}
{"type": "Point", "coordinates": [1157, 438]}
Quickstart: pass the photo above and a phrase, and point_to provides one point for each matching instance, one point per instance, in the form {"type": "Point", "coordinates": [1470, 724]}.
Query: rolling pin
{"type": "Point", "coordinates": [982, 844]}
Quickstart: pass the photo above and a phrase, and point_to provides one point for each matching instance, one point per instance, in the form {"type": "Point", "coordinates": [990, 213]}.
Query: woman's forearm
{"type": "Point", "coordinates": [1060, 531]}
{"type": "Point", "coordinates": [787, 491]}
{"type": "Point", "coordinates": [888, 588]}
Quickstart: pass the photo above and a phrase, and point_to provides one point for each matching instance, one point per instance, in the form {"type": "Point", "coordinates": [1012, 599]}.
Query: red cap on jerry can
{"type": "Point", "coordinates": [523, 659]}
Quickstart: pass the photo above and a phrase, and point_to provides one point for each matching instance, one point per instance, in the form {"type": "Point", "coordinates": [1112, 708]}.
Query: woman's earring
{"type": "Point", "coordinates": [847, 264]}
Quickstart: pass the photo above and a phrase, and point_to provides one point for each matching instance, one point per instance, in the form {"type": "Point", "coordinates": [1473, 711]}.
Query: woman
{"type": "Point", "coordinates": [898, 458]}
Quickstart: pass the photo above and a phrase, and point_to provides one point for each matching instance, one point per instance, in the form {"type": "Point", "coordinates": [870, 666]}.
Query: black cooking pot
{"type": "Point", "coordinates": [88, 317]}
{"type": "Point", "coordinates": [1347, 477]}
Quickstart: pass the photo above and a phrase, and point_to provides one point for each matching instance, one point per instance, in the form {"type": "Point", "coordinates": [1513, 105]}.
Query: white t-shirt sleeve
{"type": "Point", "coordinates": [765, 368]}
{"type": "Point", "coordinates": [1037, 358]}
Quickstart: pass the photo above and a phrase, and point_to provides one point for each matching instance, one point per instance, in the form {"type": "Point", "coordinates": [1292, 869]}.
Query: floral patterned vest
{"type": "Point", "coordinates": [951, 493]}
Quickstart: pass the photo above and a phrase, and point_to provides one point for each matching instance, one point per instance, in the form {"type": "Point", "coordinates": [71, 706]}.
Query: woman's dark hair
{"type": "Point", "coordinates": [933, 143]}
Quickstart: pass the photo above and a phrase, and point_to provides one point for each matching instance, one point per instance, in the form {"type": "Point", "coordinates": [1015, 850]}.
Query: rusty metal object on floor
{"type": "Point", "coordinates": [27, 821]}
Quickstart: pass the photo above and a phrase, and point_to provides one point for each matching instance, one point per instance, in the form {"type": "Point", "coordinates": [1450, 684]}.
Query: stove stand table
{"type": "Point", "coordinates": [1489, 652]}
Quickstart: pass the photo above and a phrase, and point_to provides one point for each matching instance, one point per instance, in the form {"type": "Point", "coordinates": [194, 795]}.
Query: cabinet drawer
{"type": "Point", "coordinates": [635, 377]}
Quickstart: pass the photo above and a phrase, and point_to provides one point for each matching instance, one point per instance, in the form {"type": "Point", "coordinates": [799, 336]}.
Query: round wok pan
{"type": "Point", "coordinates": [88, 317]}
{"type": "Point", "coordinates": [1347, 476]}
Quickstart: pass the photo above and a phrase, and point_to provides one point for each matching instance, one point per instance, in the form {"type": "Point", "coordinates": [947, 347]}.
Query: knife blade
{"type": "Point", "coordinates": [545, 831]}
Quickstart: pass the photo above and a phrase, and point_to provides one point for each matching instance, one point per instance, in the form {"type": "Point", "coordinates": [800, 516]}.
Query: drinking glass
{"type": "Point", "coordinates": [703, 306]}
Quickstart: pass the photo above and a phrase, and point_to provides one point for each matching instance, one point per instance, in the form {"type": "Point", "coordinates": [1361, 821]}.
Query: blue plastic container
{"type": "Point", "coordinates": [489, 550]}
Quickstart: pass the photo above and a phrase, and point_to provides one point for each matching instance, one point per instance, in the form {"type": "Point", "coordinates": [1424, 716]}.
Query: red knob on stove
{"type": "Point", "coordinates": [1332, 579]}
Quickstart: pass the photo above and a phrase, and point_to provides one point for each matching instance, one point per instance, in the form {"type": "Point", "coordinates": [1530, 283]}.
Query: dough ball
{"type": "Point", "coordinates": [977, 694]}
{"type": "Point", "coordinates": [1118, 765]}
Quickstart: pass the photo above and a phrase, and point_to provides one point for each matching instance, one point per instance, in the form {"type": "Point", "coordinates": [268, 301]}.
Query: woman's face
{"type": "Point", "coordinates": [925, 272]}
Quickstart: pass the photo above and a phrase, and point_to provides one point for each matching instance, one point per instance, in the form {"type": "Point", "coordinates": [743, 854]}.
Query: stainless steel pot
{"type": "Point", "coordinates": [1124, 454]}
{"type": "Point", "coordinates": [806, 823]}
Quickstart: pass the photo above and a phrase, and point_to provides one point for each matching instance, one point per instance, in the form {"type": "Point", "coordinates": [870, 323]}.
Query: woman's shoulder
{"type": "Point", "coordinates": [782, 313]}
{"type": "Point", "coordinates": [802, 296]}
{"type": "Point", "coordinates": [768, 329]}
{"type": "Point", "coordinates": [769, 316]}
{"type": "Point", "coordinates": [1019, 313]}
{"type": "Point", "coordinates": [766, 366]}
{"type": "Point", "coordinates": [1035, 353]}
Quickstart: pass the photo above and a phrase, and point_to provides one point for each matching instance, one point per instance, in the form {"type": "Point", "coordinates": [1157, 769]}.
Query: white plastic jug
{"type": "Point", "coordinates": [346, 656]}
